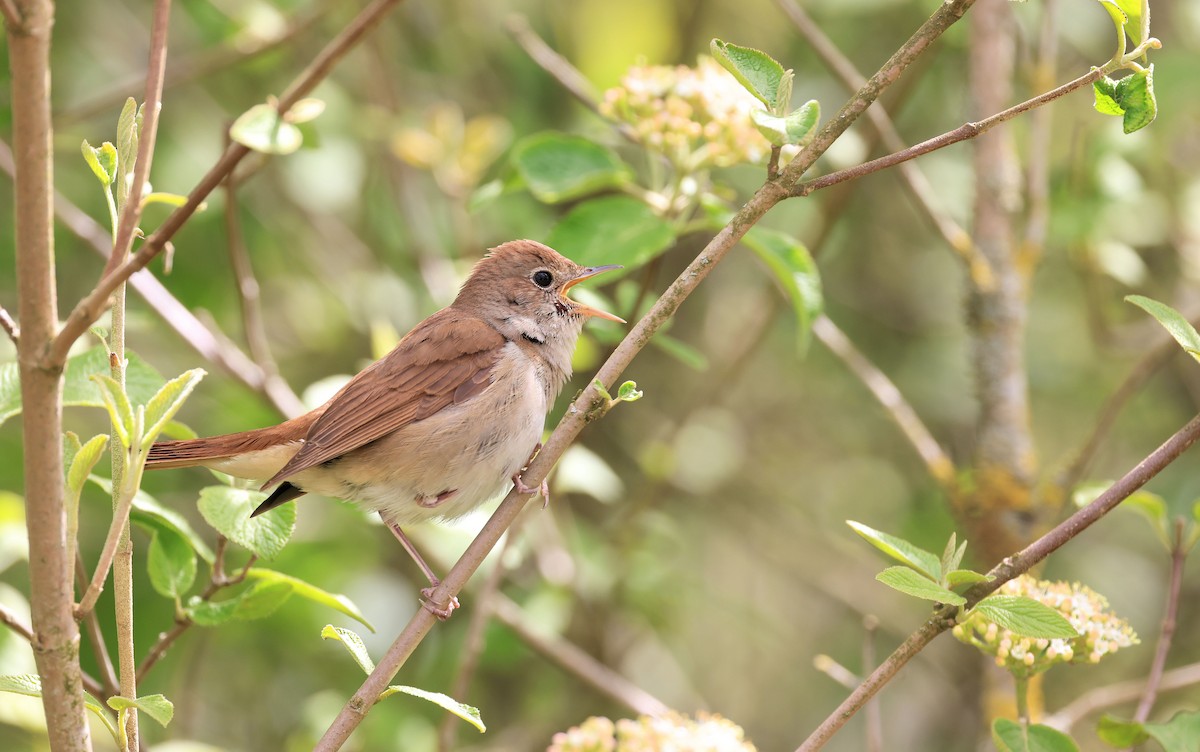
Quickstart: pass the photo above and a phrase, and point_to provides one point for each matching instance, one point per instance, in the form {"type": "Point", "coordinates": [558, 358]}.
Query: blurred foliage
{"type": "Point", "coordinates": [699, 547]}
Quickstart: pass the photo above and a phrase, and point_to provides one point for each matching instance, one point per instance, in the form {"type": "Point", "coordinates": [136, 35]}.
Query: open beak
{"type": "Point", "coordinates": [586, 273]}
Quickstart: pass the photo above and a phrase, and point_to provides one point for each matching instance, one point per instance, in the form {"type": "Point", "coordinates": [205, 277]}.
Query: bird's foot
{"type": "Point", "coordinates": [543, 489]}
{"type": "Point", "coordinates": [441, 612]}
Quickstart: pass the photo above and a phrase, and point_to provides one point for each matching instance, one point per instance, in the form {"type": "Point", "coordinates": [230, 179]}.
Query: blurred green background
{"type": "Point", "coordinates": [695, 542]}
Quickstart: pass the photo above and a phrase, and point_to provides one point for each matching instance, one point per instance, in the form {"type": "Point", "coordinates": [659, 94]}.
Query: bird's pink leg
{"type": "Point", "coordinates": [543, 490]}
{"type": "Point", "coordinates": [441, 612]}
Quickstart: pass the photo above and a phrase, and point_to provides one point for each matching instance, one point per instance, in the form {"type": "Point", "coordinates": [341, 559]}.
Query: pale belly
{"type": "Point", "coordinates": [441, 467]}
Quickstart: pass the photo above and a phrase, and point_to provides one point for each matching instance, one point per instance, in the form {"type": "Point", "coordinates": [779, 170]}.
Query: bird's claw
{"type": "Point", "coordinates": [441, 612]}
{"type": "Point", "coordinates": [542, 489]}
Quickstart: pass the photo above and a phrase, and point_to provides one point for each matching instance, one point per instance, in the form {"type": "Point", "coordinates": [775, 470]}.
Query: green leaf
{"type": "Point", "coordinates": [557, 167]}
{"type": "Point", "coordinates": [258, 601]}
{"type": "Point", "coordinates": [81, 460]}
{"type": "Point", "coordinates": [911, 582]}
{"type": "Point", "coordinates": [628, 392]}
{"type": "Point", "coordinates": [156, 706]}
{"type": "Point", "coordinates": [901, 550]}
{"type": "Point", "coordinates": [1105, 91]}
{"type": "Point", "coordinates": [128, 128]}
{"type": "Point", "coordinates": [612, 230]}
{"type": "Point", "coordinates": [353, 644]}
{"type": "Point", "coordinates": [1010, 737]}
{"type": "Point", "coordinates": [171, 563]}
{"type": "Point", "coordinates": [173, 200]}
{"type": "Point", "coordinates": [1131, 97]}
{"type": "Point", "coordinates": [1026, 617]}
{"type": "Point", "coordinates": [1133, 12]}
{"type": "Point", "coordinates": [119, 410]}
{"type": "Point", "coordinates": [797, 128]}
{"type": "Point", "coordinates": [959, 577]}
{"type": "Point", "coordinates": [228, 511]}
{"type": "Point", "coordinates": [794, 269]}
{"type": "Point", "coordinates": [336, 601]}
{"type": "Point", "coordinates": [1119, 732]}
{"type": "Point", "coordinates": [1180, 734]}
{"type": "Point", "coordinates": [141, 382]}
{"type": "Point", "coordinates": [463, 711]}
{"type": "Point", "coordinates": [305, 110]}
{"type": "Point", "coordinates": [30, 685]}
{"type": "Point", "coordinates": [262, 129]}
{"type": "Point", "coordinates": [166, 402]}
{"type": "Point", "coordinates": [102, 160]}
{"type": "Point", "coordinates": [1173, 321]}
{"type": "Point", "coordinates": [756, 70]}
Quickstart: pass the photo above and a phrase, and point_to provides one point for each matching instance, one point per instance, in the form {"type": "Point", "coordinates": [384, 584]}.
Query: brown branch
{"type": "Point", "coordinates": [56, 634]}
{"type": "Point", "coordinates": [1006, 570]}
{"type": "Point", "coordinates": [577, 662]}
{"type": "Point", "coordinates": [1117, 694]}
{"type": "Point", "coordinates": [1167, 631]}
{"type": "Point", "coordinates": [95, 634]}
{"type": "Point", "coordinates": [90, 308]}
{"type": "Point", "coordinates": [937, 462]}
{"type": "Point", "coordinates": [10, 327]}
{"type": "Point", "coordinates": [9, 619]}
{"type": "Point", "coordinates": [913, 178]}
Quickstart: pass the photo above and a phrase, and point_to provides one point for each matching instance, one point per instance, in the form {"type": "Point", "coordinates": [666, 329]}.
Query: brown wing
{"type": "Point", "coordinates": [446, 360]}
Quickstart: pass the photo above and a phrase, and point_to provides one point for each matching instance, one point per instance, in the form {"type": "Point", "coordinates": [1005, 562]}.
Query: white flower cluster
{"type": "Point", "coordinates": [696, 117]}
{"type": "Point", "coordinates": [704, 733]}
{"type": "Point", "coordinates": [1101, 632]}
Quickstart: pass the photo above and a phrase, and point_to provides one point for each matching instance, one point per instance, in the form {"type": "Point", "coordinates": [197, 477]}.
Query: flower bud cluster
{"type": "Point", "coordinates": [1101, 632]}
{"type": "Point", "coordinates": [704, 733]}
{"type": "Point", "coordinates": [696, 117]}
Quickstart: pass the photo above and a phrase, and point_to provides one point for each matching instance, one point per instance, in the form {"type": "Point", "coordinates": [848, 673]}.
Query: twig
{"type": "Point", "coordinates": [577, 662]}
{"type": "Point", "coordinates": [827, 665]}
{"type": "Point", "coordinates": [590, 405]}
{"type": "Point", "coordinates": [13, 622]}
{"type": "Point", "coordinates": [109, 552]}
{"type": "Point", "coordinates": [937, 462]}
{"type": "Point", "coordinates": [1167, 632]}
{"type": "Point", "coordinates": [913, 178]}
{"type": "Point", "coordinates": [10, 327]}
{"type": "Point", "coordinates": [12, 16]}
{"type": "Point", "coordinates": [1116, 694]}
{"type": "Point", "coordinates": [1011, 567]}
{"type": "Point", "coordinates": [90, 307]}
{"type": "Point", "coordinates": [91, 624]}
{"type": "Point", "coordinates": [562, 71]}
{"type": "Point", "coordinates": [874, 711]}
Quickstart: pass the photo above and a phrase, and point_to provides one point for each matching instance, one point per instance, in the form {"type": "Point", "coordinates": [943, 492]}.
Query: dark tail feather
{"type": "Point", "coordinates": [282, 494]}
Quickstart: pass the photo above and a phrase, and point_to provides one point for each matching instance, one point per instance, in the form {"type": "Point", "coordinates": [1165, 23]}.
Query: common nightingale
{"type": "Point", "coordinates": [444, 422]}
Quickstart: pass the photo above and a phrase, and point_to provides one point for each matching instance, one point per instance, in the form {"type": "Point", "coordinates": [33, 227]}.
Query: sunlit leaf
{"type": "Point", "coordinates": [797, 128]}
{"type": "Point", "coordinates": [228, 511]}
{"type": "Point", "coordinates": [462, 710]}
{"type": "Point", "coordinates": [309, 108]}
{"type": "Point", "coordinates": [1010, 737]}
{"type": "Point", "coordinates": [353, 644]}
{"type": "Point", "coordinates": [336, 601]}
{"type": "Point", "coordinates": [558, 167]}
{"type": "Point", "coordinates": [30, 685]}
{"type": "Point", "coordinates": [1173, 321]}
{"type": "Point", "coordinates": [258, 601]}
{"type": "Point", "coordinates": [81, 460]}
{"type": "Point", "coordinates": [612, 230]}
{"type": "Point", "coordinates": [1026, 617]}
{"type": "Point", "coordinates": [262, 129]}
{"type": "Point", "coordinates": [794, 269]}
{"type": "Point", "coordinates": [120, 412]}
{"type": "Point", "coordinates": [901, 550]}
{"type": "Point", "coordinates": [959, 577]}
{"type": "Point", "coordinates": [911, 582]}
{"type": "Point", "coordinates": [102, 160]}
{"type": "Point", "coordinates": [171, 564]}
{"type": "Point", "coordinates": [754, 69]}
{"type": "Point", "coordinates": [1131, 97]}
{"type": "Point", "coordinates": [155, 706]}
{"type": "Point", "coordinates": [167, 401]}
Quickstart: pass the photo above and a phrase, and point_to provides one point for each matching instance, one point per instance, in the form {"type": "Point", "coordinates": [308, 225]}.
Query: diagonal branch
{"type": "Point", "coordinates": [90, 307]}
{"type": "Point", "coordinates": [1117, 694]}
{"type": "Point", "coordinates": [9, 325]}
{"type": "Point", "coordinates": [938, 463]}
{"type": "Point", "coordinates": [913, 178]}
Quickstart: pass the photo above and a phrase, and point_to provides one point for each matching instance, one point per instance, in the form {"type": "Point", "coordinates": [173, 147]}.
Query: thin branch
{"type": "Point", "coordinates": [10, 327]}
{"type": "Point", "coordinates": [91, 624]}
{"type": "Point", "coordinates": [578, 663]}
{"type": "Point", "coordinates": [90, 308]}
{"type": "Point", "coordinates": [1167, 631]}
{"type": "Point", "coordinates": [109, 552]}
{"type": "Point", "coordinates": [12, 16]}
{"type": "Point", "coordinates": [1117, 694]}
{"type": "Point", "coordinates": [1037, 187]}
{"type": "Point", "coordinates": [561, 70]}
{"type": "Point", "coordinates": [912, 176]}
{"type": "Point", "coordinates": [9, 619]}
{"type": "Point", "coordinates": [1006, 570]}
{"type": "Point", "coordinates": [937, 462]}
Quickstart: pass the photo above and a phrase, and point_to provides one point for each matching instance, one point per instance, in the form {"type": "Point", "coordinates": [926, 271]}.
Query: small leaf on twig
{"type": "Point", "coordinates": [754, 69]}
{"type": "Point", "coordinates": [1173, 321]}
{"type": "Point", "coordinates": [156, 706]}
{"type": "Point", "coordinates": [336, 601]}
{"type": "Point", "coordinates": [557, 167]}
{"type": "Point", "coordinates": [1026, 617]}
{"type": "Point", "coordinates": [228, 511]}
{"type": "Point", "coordinates": [262, 129]}
{"type": "Point", "coordinates": [466, 712]}
{"type": "Point", "coordinates": [911, 582]}
{"type": "Point", "coordinates": [901, 550]}
{"type": "Point", "coordinates": [353, 644]}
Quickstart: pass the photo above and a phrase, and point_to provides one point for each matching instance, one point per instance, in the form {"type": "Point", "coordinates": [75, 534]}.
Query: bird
{"type": "Point", "coordinates": [444, 422]}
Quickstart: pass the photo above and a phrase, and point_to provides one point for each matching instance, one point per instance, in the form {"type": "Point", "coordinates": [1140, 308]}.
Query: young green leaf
{"type": "Point", "coordinates": [258, 601]}
{"type": "Point", "coordinates": [336, 601]}
{"type": "Point", "coordinates": [81, 460]}
{"type": "Point", "coordinates": [463, 711]}
{"type": "Point", "coordinates": [901, 550]}
{"type": "Point", "coordinates": [261, 129]}
{"type": "Point", "coordinates": [794, 269]}
{"type": "Point", "coordinates": [612, 230]}
{"type": "Point", "coordinates": [1026, 617]}
{"type": "Point", "coordinates": [171, 564]}
{"type": "Point", "coordinates": [353, 644]}
{"type": "Point", "coordinates": [228, 511]}
{"type": "Point", "coordinates": [173, 200]}
{"type": "Point", "coordinates": [959, 577]}
{"type": "Point", "coordinates": [307, 109]}
{"type": "Point", "coordinates": [1180, 734]}
{"type": "Point", "coordinates": [1009, 736]}
{"type": "Point", "coordinates": [797, 128]}
{"type": "Point", "coordinates": [754, 69]}
{"type": "Point", "coordinates": [103, 161]}
{"type": "Point", "coordinates": [1173, 321]}
{"type": "Point", "coordinates": [156, 706]}
{"type": "Point", "coordinates": [1132, 98]}
{"type": "Point", "coordinates": [911, 582]}
{"type": "Point", "coordinates": [1134, 26]}
{"type": "Point", "coordinates": [628, 392]}
{"type": "Point", "coordinates": [557, 167]}
{"type": "Point", "coordinates": [1119, 732]}
{"type": "Point", "coordinates": [948, 562]}
{"type": "Point", "coordinates": [128, 131]}
{"type": "Point", "coordinates": [30, 685]}
{"type": "Point", "coordinates": [166, 402]}
{"type": "Point", "coordinates": [119, 410]}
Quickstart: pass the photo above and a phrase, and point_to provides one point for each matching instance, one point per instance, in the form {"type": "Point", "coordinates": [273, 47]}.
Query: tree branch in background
{"type": "Point", "coordinates": [937, 462]}
{"type": "Point", "coordinates": [1011, 567]}
{"type": "Point", "coordinates": [88, 309]}
{"type": "Point", "coordinates": [10, 327]}
{"type": "Point", "coordinates": [1179, 554]}
{"type": "Point", "coordinates": [55, 633]}
{"type": "Point", "coordinates": [1037, 176]}
{"type": "Point", "coordinates": [1117, 694]}
{"type": "Point", "coordinates": [12, 17]}
{"type": "Point", "coordinates": [912, 176]}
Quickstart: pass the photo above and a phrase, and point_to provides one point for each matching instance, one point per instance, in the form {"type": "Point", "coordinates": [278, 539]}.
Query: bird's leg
{"type": "Point", "coordinates": [441, 612]}
{"type": "Point", "coordinates": [543, 490]}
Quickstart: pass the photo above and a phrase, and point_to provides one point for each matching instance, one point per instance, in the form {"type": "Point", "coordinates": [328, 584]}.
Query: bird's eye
{"type": "Point", "coordinates": [542, 278]}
